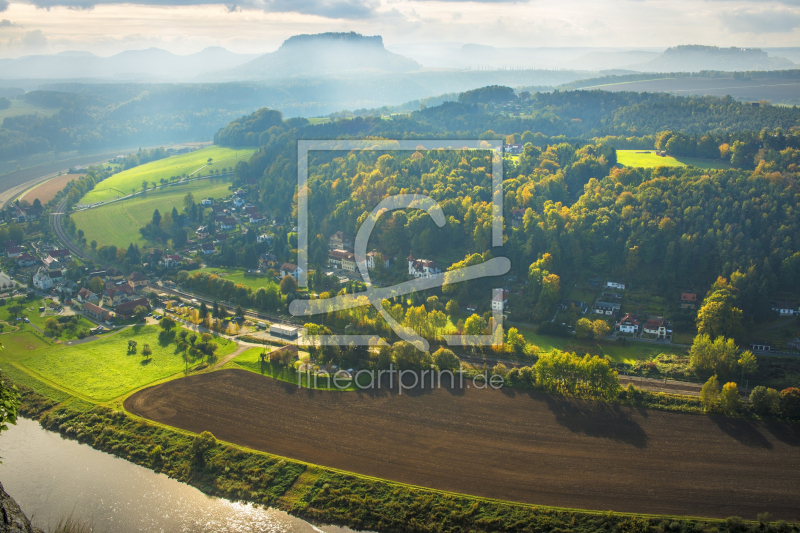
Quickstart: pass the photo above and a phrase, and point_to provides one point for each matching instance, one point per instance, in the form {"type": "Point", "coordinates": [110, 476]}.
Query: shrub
{"type": "Point", "coordinates": [709, 394]}
{"type": "Point", "coordinates": [729, 400]}
{"type": "Point", "coordinates": [765, 401]}
{"type": "Point", "coordinates": [202, 443]}
{"type": "Point", "coordinates": [790, 402]}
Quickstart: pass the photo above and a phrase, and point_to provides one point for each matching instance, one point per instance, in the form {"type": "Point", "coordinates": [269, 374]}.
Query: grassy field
{"type": "Point", "coordinates": [254, 281]}
{"type": "Point", "coordinates": [635, 158]}
{"type": "Point", "coordinates": [118, 223]}
{"type": "Point", "coordinates": [103, 369]}
{"type": "Point", "coordinates": [121, 184]}
{"type": "Point", "coordinates": [21, 107]}
{"type": "Point", "coordinates": [251, 361]}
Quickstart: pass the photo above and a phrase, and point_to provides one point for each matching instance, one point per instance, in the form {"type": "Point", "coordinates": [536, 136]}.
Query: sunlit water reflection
{"type": "Point", "coordinates": [51, 478]}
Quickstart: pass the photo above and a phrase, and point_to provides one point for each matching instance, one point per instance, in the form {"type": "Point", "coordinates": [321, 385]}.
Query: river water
{"type": "Point", "coordinates": [51, 478]}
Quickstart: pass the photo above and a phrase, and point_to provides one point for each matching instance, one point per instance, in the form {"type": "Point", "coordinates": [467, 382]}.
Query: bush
{"type": "Point", "coordinates": [765, 401]}
{"type": "Point", "coordinates": [790, 402]}
{"type": "Point", "coordinates": [729, 400]}
{"type": "Point", "coordinates": [201, 444]}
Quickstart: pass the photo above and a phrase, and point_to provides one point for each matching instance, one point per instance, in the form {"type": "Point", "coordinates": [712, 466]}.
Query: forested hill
{"type": "Point", "coordinates": [577, 114]}
{"type": "Point", "coordinates": [576, 213]}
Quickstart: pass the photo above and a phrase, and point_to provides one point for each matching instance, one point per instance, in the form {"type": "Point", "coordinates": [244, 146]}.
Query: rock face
{"type": "Point", "coordinates": [12, 519]}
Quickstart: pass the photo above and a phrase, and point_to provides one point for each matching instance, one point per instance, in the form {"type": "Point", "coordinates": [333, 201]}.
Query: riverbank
{"type": "Point", "coordinates": [323, 494]}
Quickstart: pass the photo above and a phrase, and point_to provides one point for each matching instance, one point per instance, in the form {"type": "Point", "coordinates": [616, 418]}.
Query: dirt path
{"type": "Point", "coordinates": [509, 444]}
{"type": "Point", "coordinates": [231, 356]}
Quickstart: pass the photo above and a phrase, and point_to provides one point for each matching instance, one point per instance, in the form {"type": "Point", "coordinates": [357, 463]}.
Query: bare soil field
{"type": "Point", "coordinates": [512, 445]}
{"type": "Point", "coordinates": [47, 190]}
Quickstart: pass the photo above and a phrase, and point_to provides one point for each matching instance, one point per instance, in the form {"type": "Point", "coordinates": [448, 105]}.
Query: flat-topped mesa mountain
{"type": "Point", "coordinates": [325, 54]}
{"type": "Point", "coordinates": [694, 58]}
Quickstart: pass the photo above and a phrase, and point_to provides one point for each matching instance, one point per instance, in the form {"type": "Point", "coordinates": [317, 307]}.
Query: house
{"type": "Point", "coordinates": [96, 312]}
{"type": "Point", "coordinates": [340, 241]}
{"type": "Point", "coordinates": [25, 260]}
{"type": "Point", "coordinates": [576, 304]}
{"type": "Point", "coordinates": [208, 248]}
{"type": "Point", "coordinates": [14, 251]}
{"type": "Point", "coordinates": [51, 263]}
{"type": "Point", "coordinates": [137, 280]}
{"type": "Point", "coordinates": [97, 274]}
{"type": "Point", "coordinates": [58, 254]}
{"type": "Point", "coordinates": [605, 308]}
{"type": "Point", "coordinates": [628, 324]}
{"type": "Point", "coordinates": [500, 300]}
{"type": "Point", "coordinates": [170, 261]}
{"type": "Point", "coordinates": [688, 300]}
{"type": "Point", "coordinates": [114, 273]}
{"type": "Point", "coordinates": [85, 295]}
{"type": "Point", "coordinates": [202, 232]}
{"type": "Point", "coordinates": [238, 202]}
{"type": "Point", "coordinates": [227, 223]}
{"type": "Point", "coordinates": [10, 244]}
{"type": "Point", "coordinates": [373, 258]}
{"type": "Point", "coordinates": [422, 268]}
{"type": "Point", "coordinates": [658, 327]}
{"type": "Point", "coordinates": [290, 269]}
{"type": "Point", "coordinates": [264, 238]}
{"type": "Point", "coordinates": [256, 218]}
{"type": "Point", "coordinates": [761, 347]}
{"type": "Point", "coordinates": [55, 275]}
{"type": "Point", "coordinates": [785, 308]}
{"type": "Point", "coordinates": [267, 261]}
{"type": "Point", "coordinates": [206, 202]}
{"type": "Point", "coordinates": [250, 209]}
{"type": "Point", "coordinates": [615, 285]}
{"type": "Point", "coordinates": [342, 259]}
{"type": "Point", "coordinates": [113, 297]}
{"type": "Point", "coordinates": [611, 296]}
{"type": "Point", "coordinates": [42, 280]}
{"type": "Point", "coordinates": [127, 309]}
{"type": "Point", "coordinates": [471, 308]}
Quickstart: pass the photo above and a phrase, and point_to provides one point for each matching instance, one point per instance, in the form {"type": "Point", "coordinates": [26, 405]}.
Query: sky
{"type": "Point", "coordinates": [105, 27]}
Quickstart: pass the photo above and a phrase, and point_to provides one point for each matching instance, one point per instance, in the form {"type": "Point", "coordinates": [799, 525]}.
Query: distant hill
{"type": "Point", "coordinates": [694, 58]}
{"type": "Point", "coordinates": [152, 64]}
{"type": "Point", "coordinates": [325, 54]}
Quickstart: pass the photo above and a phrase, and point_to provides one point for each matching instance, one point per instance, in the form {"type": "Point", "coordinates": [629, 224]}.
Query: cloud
{"type": "Point", "coordinates": [34, 41]}
{"type": "Point", "coordinates": [5, 23]}
{"type": "Point", "coordinates": [3, 5]}
{"type": "Point", "coordinates": [766, 20]}
{"type": "Point", "coordinates": [333, 9]}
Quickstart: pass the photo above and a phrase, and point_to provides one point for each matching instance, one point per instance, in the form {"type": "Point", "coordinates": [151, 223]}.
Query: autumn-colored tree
{"type": "Point", "coordinates": [584, 328]}
{"type": "Point", "coordinates": [729, 399]}
{"type": "Point", "coordinates": [709, 394]}
{"type": "Point", "coordinates": [600, 328]}
{"type": "Point", "coordinates": [288, 285]}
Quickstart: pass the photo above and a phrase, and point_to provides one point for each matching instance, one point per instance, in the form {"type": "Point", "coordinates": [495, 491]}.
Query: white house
{"type": "Point", "coordinates": [615, 285]}
{"type": "Point", "coordinates": [202, 232]}
{"type": "Point", "coordinates": [290, 269]}
{"type": "Point", "coordinates": [205, 202]}
{"type": "Point", "coordinates": [170, 261]}
{"type": "Point", "coordinates": [264, 238]}
{"type": "Point", "coordinates": [256, 218]}
{"type": "Point", "coordinates": [42, 280]}
{"type": "Point", "coordinates": [238, 202]}
{"type": "Point", "coordinates": [628, 324]}
{"type": "Point", "coordinates": [422, 268]}
{"type": "Point", "coordinates": [785, 308]}
{"type": "Point", "coordinates": [500, 300]}
{"type": "Point", "coordinates": [605, 308]}
{"type": "Point", "coordinates": [208, 248]}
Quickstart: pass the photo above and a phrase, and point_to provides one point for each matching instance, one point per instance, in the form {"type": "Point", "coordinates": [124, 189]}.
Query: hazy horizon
{"type": "Point", "coordinates": [106, 27]}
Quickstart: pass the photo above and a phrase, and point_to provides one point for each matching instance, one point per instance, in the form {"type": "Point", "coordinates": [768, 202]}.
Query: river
{"type": "Point", "coordinates": [51, 478]}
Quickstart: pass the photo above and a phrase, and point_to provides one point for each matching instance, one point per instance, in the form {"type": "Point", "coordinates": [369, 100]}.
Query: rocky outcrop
{"type": "Point", "coordinates": [12, 519]}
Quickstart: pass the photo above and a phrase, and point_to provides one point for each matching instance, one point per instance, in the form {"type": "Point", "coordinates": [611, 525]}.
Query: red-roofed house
{"type": "Point", "coordinates": [126, 310]}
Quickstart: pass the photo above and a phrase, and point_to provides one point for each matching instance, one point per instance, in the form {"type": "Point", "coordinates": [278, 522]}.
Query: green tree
{"type": "Point", "coordinates": [452, 307]}
{"type": "Point", "coordinates": [720, 356]}
{"type": "Point", "coordinates": [719, 315]}
{"type": "Point", "coordinates": [147, 351]}
{"type": "Point", "coordinates": [445, 359]}
{"type": "Point", "coordinates": [139, 313]}
{"type": "Point", "coordinates": [584, 328]}
{"type": "Point", "coordinates": [515, 342]}
{"type": "Point", "coordinates": [474, 325]}
{"type": "Point", "coordinates": [709, 394]}
{"type": "Point", "coordinates": [167, 323]}
{"type": "Point", "coordinates": [748, 363]}
{"type": "Point", "coordinates": [96, 285]}
{"type": "Point", "coordinates": [203, 312]}
{"type": "Point", "coordinates": [52, 327]}
{"type": "Point", "coordinates": [9, 404]}
{"type": "Point", "coordinates": [202, 444]}
{"type": "Point", "coordinates": [765, 401]}
{"type": "Point", "coordinates": [729, 399]}
{"type": "Point", "coordinates": [288, 285]}
{"type": "Point", "coordinates": [600, 328]}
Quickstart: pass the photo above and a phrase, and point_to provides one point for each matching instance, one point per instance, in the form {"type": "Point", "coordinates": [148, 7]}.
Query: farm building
{"type": "Point", "coordinates": [282, 330]}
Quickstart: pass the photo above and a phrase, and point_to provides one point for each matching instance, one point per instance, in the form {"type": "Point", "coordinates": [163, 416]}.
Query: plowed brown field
{"type": "Point", "coordinates": [512, 445]}
{"type": "Point", "coordinates": [47, 191]}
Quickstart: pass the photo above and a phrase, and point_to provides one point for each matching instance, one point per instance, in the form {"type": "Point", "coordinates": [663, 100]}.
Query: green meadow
{"type": "Point", "coordinates": [118, 223]}
{"type": "Point", "coordinates": [125, 182]}
{"type": "Point", "coordinates": [649, 159]}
